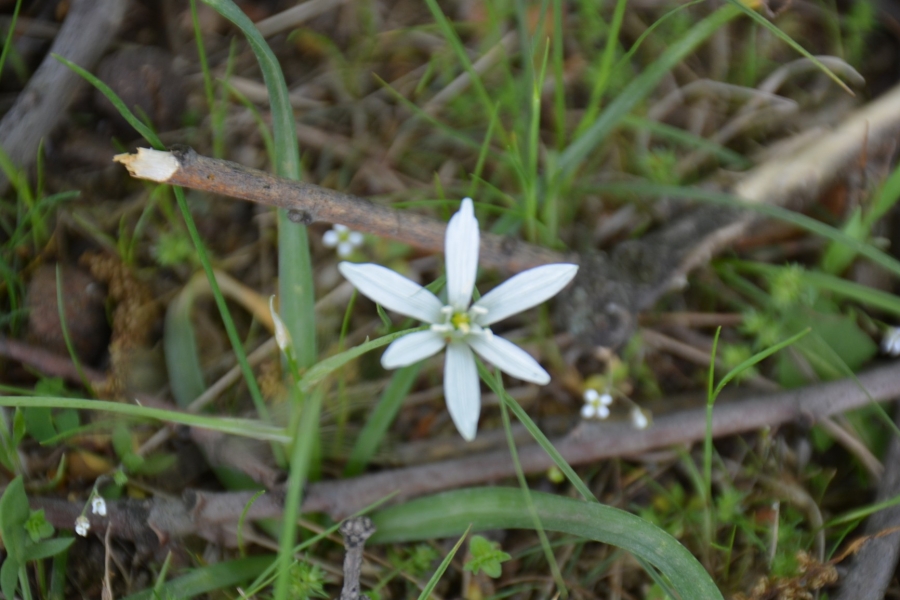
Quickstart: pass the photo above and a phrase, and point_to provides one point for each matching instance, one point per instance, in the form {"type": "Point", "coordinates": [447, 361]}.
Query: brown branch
{"type": "Point", "coordinates": [48, 363]}
{"type": "Point", "coordinates": [591, 442]}
{"type": "Point", "coordinates": [308, 203]}
{"type": "Point", "coordinates": [874, 565]}
{"type": "Point", "coordinates": [82, 39]}
{"type": "Point", "coordinates": [156, 522]}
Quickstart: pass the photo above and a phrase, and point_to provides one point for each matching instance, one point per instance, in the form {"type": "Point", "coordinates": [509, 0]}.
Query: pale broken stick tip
{"type": "Point", "coordinates": [154, 165]}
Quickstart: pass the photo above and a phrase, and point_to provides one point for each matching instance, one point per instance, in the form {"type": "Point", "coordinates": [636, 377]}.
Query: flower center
{"type": "Point", "coordinates": [461, 322]}
{"type": "Point", "coordinates": [457, 324]}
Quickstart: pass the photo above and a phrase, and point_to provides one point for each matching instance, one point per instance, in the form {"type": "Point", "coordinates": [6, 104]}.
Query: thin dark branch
{"type": "Point", "coordinates": [156, 522]}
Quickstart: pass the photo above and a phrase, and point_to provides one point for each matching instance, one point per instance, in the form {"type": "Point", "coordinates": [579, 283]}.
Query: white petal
{"type": "Point", "coordinates": [355, 238]}
{"type": "Point", "coordinates": [344, 249]}
{"type": "Point", "coordinates": [591, 395]}
{"type": "Point", "coordinates": [393, 291]}
{"type": "Point", "coordinates": [524, 291]}
{"type": "Point", "coordinates": [330, 238]}
{"type": "Point", "coordinates": [412, 348]}
{"type": "Point", "coordinates": [462, 391]}
{"type": "Point", "coordinates": [340, 228]}
{"type": "Point", "coordinates": [588, 411]}
{"type": "Point", "coordinates": [461, 254]}
{"type": "Point", "coordinates": [509, 358]}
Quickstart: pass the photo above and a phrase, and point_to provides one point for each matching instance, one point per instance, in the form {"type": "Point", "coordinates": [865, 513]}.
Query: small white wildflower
{"type": "Point", "coordinates": [596, 405]}
{"type": "Point", "coordinates": [342, 238]}
{"type": "Point", "coordinates": [457, 326]}
{"type": "Point", "coordinates": [890, 343]}
{"type": "Point", "coordinates": [282, 335]}
{"type": "Point", "coordinates": [98, 506]}
{"type": "Point", "coordinates": [639, 420]}
{"type": "Point", "coordinates": [82, 526]}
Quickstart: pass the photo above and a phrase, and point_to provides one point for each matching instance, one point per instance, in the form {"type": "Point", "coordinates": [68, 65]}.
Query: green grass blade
{"type": "Point", "coordinates": [210, 578]}
{"type": "Point", "coordinates": [203, 256]}
{"type": "Point", "coordinates": [688, 140]}
{"type": "Point", "coordinates": [606, 67]}
{"type": "Point", "coordinates": [327, 366]}
{"type": "Point", "coordinates": [295, 278]}
{"type": "Point", "coordinates": [776, 212]}
{"type": "Point", "coordinates": [7, 43]}
{"type": "Point", "coordinates": [442, 568]}
{"type": "Point", "coordinates": [774, 30]}
{"type": "Point", "coordinates": [859, 226]}
{"type": "Point", "coordinates": [636, 91]}
{"type": "Point", "coordinates": [526, 494]}
{"type": "Point", "coordinates": [381, 418]}
{"type": "Point", "coordinates": [537, 434]}
{"type": "Point", "coordinates": [861, 513]}
{"type": "Point", "coordinates": [462, 55]}
{"type": "Point", "coordinates": [180, 349]}
{"type": "Point", "coordinates": [851, 290]}
{"type": "Point", "coordinates": [61, 309]}
{"type": "Point", "coordinates": [242, 427]}
{"type": "Point", "coordinates": [301, 460]}
{"type": "Point", "coordinates": [759, 356]}
{"type": "Point", "coordinates": [449, 514]}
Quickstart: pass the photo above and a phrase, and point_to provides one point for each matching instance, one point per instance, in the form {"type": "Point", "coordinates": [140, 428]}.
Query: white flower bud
{"type": "Point", "coordinates": [82, 526]}
{"type": "Point", "coordinates": [638, 419]}
{"type": "Point", "coordinates": [282, 336]}
{"type": "Point", "coordinates": [98, 506]}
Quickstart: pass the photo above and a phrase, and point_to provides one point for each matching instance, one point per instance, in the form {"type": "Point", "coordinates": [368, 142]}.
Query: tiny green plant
{"type": "Point", "coordinates": [27, 537]}
{"type": "Point", "coordinates": [486, 557]}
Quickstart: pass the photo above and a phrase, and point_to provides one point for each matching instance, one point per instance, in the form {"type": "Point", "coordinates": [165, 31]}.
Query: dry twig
{"type": "Point", "coordinates": [84, 36]}
{"type": "Point", "coordinates": [156, 522]}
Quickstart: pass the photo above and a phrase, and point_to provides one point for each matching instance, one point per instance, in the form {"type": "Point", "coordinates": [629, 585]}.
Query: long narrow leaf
{"type": "Point", "coordinates": [242, 427]}
{"type": "Point", "coordinates": [449, 514]}
{"type": "Point", "coordinates": [642, 85]}
{"type": "Point", "coordinates": [295, 282]}
{"type": "Point", "coordinates": [154, 140]}
{"type": "Point", "coordinates": [381, 418]}
{"type": "Point", "coordinates": [776, 212]}
{"type": "Point", "coordinates": [761, 20]}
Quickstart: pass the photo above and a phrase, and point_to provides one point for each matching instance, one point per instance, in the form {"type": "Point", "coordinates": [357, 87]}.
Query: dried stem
{"type": "Point", "coordinates": [355, 531]}
{"type": "Point", "coordinates": [310, 203]}
{"type": "Point", "coordinates": [155, 522]}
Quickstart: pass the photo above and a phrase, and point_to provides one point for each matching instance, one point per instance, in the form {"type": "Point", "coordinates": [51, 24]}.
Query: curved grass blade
{"type": "Point", "coordinates": [208, 579]}
{"type": "Point", "coordinates": [874, 298]}
{"type": "Point", "coordinates": [154, 140]}
{"type": "Point", "coordinates": [295, 279]}
{"type": "Point", "coordinates": [776, 212]}
{"type": "Point", "coordinates": [636, 91]}
{"type": "Point", "coordinates": [381, 418]}
{"type": "Point", "coordinates": [241, 427]}
{"type": "Point", "coordinates": [774, 30]}
{"type": "Point", "coordinates": [449, 514]}
{"type": "Point", "coordinates": [324, 368]}
{"type": "Point", "coordinates": [442, 568]}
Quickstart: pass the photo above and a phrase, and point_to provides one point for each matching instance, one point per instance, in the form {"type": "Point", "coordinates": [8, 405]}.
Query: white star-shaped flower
{"type": "Point", "coordinates": [457, 326]}
{"type": "Point", "coordinates": [342, 238]}
{"type": "Point", "coordinates": [82, 526]}
{"type": "Point", "coordinates": [890, 343]}
{"type": "Point", "coordinates": [596, 405]}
